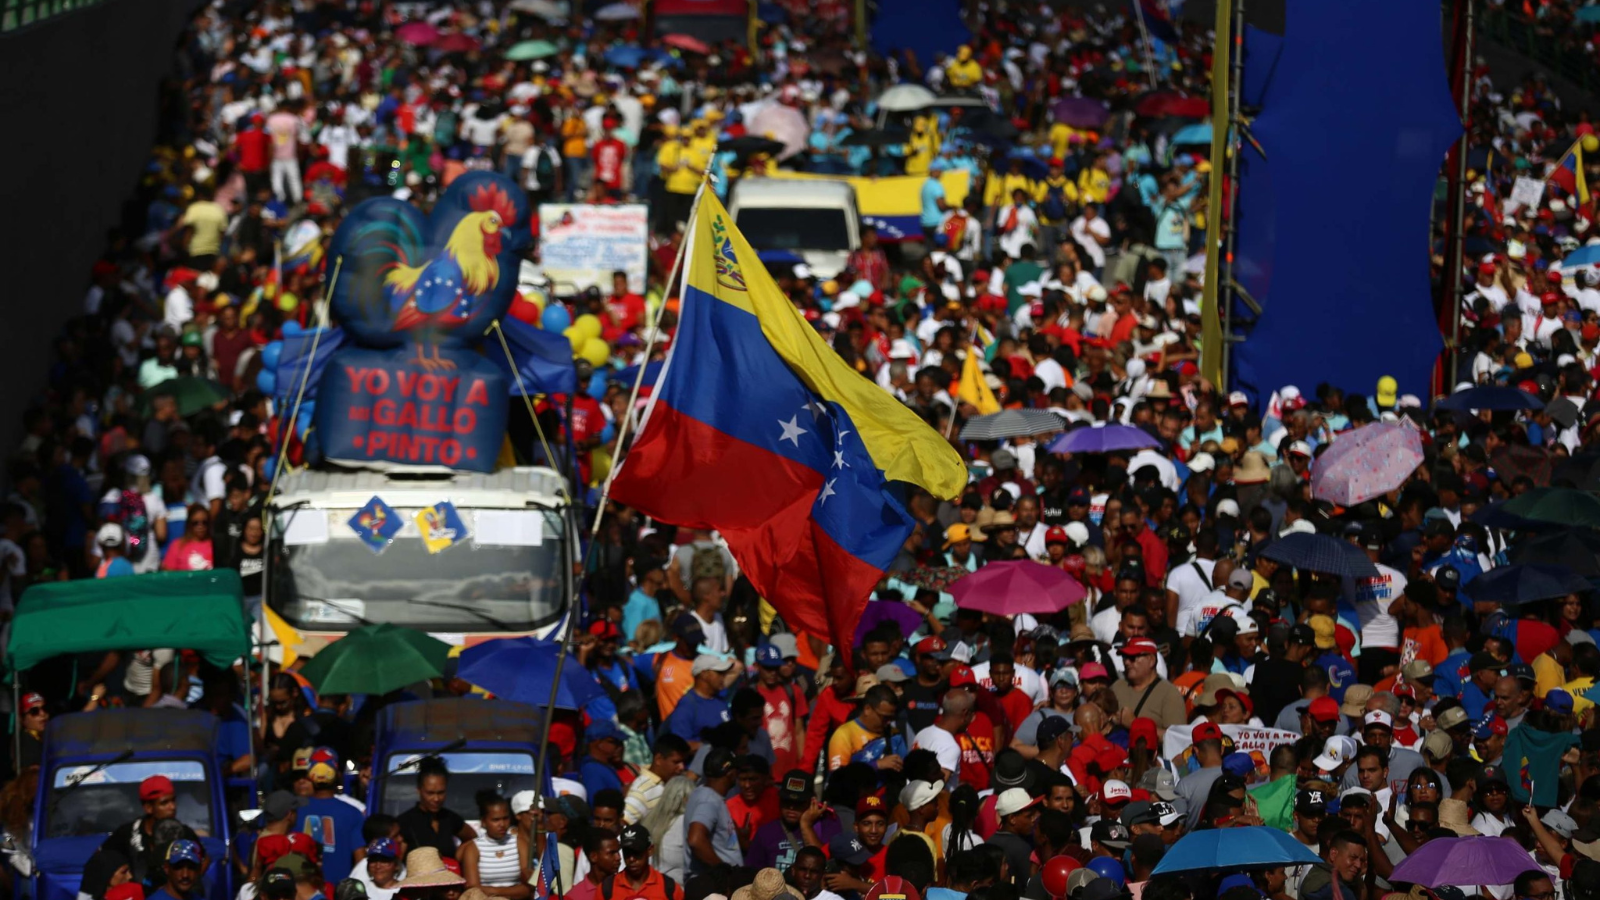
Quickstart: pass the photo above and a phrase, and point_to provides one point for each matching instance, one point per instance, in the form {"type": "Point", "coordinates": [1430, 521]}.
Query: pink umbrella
{"type": "Point", "coordinates": [686, 42]}
{"type": "Point", "coordinates": [1016, 587]}
{"type": "Point", "coordinates": [1367, 462]}
{"type": "Point", "coordinates": [417, 34]}
{"type": "Point", "coordinates": [456, 42]}
{"type": "Point", "coordinates": [784, 124]}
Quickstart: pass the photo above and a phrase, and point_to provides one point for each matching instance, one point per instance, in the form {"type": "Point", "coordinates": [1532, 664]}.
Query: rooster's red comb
{"type": "Point", "coordinates": [491, 197]}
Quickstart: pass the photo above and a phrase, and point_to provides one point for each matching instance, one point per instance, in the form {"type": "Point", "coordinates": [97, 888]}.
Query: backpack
{"type": "Point", "coordinates": [135, 521]}
{"type": "Point", "coordinates": [544, 168]}
{"type": "Point", "coordinates": [707, 562]}
{"type": "Point", "coordinates": [1054, 207]}
{"type": "Point", "coordinates": [669, 888]}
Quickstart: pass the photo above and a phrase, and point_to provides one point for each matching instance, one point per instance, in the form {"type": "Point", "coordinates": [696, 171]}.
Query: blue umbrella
{"type": "Point", "coordinates": [1232, 849]}
{"type": "Point", "coordinates": [1198, 133]}
{"type": "Point", "coordinates": [1588, 14]}
{"type": "Point", "coordinates": [1032, 166]}
{"type": "Point", "coordinates": [1102, 439]}
{"type": "Point", "coordinates": [1495, 516]}
{"type": "Point", "coordinates": [522, 668]}
{"type": "Point", "coordinates": [1491, 397]}
{"type": "Point", "coordinates": [1321, 553]}
{"type": "Point", "coordinates": [1588, 254]}
{"type": "Point", "coordinates": [1522, 583]}
{"type": "Point", "coordinates": [625, 56]}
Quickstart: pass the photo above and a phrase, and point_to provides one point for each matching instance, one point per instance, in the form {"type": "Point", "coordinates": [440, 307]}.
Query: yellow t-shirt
{"type": "Point", "coordinates": [963, 74]}
{"type": "Point", "coordinates": [1576, 687]}
{"type": "Point", "coordinates": [208, 220]}
{"type": "Point", "coordinates": [1001, 184]}
{"type": "Point", "coordinates": [1060, 139]}
{"type": "Point", "coordinates": [574, 137]}
{"type": "Point", "coordinates": [1548, 675]}
{"type": "Point", "coordinates": [1094, 185]}
{"type": "Point", "coordinates": [1068, 189]}
{"type": "Point", "coordinates": [919, 153]}
{"type": "Point", "coordinates": [846, 741]}
{"type": "Point", "coordinates": [692, 162]}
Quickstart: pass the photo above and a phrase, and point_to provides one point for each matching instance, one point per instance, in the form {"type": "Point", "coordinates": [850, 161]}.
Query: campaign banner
{"type": "Point", "coordinates": [581, 244]}
{"type": "Point", "coordinates": [892, 206]}
{"type": "Point", "coordinates": [1256, 740]}
{"type": "Point", "coordinates": [378, 408]}
{"type": "Point", "coordinates": [1525, 193]}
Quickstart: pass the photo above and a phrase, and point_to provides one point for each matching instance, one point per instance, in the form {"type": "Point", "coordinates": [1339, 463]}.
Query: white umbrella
{"type": "Point", "coordinates": [905, 98]}
{"type": "Point", "coordinates": [544, 9]}
{"type": "Point", "coordinates": [616, 12]}
{"type": "Point", "coordinates": [784, 124]}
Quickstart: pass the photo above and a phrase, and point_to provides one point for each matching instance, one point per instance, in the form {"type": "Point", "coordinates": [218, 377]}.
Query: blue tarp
{"type": "Point", "coordinates": [926, 28]}
{"type": "Point", "coordinates": [1333, 225]}
{"type": "Point", "coordinates": [1261, 51]}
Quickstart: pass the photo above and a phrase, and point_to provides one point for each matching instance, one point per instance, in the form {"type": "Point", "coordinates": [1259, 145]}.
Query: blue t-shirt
{"type": "Point", "coordinates": [336, 825]}
{"type": "Point", "coordinates": [234, 735]}
{"type": "Point", "coordinates": [639, 608]}
{"type": "Point", "coordinates": [932, 193]}
{"type": "Point", "coordinates": [709, 808]}
{"type": "Point", "coordinates": [695, 713]}
{"type": "Point", "coordinates": [117, 567]}
{"type": "Point", "coordinates": [597, 776]}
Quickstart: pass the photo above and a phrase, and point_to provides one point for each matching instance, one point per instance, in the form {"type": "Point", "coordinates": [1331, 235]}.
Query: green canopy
{"type": "Point", "coordinates": [200, 611]}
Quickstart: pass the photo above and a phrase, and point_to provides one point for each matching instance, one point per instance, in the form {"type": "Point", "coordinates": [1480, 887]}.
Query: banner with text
{"type": "Point", "coordinates": [582, 245]}
{"type": "Point", "coordinates": [1255, 740]}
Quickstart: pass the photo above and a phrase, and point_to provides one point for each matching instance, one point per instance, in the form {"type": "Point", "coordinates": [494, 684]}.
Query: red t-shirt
{"type": "Point", "coordinates": [255, 150]}
{"type": "Point", "coordinates": [783, 717]}
{"type": "Point", "coordinates": [744, 814]}
{"type": "Point", "coordinates": [1017, 704]}
{"type": "Point", "coordinates": [623, 314]}
{"type": "Point", "coordinates": [977, 751]}
{"type": "Point", "coordinates": [609, 155]}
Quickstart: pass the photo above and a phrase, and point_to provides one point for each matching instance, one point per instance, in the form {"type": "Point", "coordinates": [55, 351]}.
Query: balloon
{"type": "Point", "coordinates": [599, 464]}
{"type": "Point", "coordinates": [270, 353]}
{"type": "Point", "coordinates": [595, 351]}
{"type": "Point", "coordinates": [302, 421]}
{"type": "Point", "coordinates": [1055, 874]}
{"type": "Point", "coordinates": [597, 384]}
{"type": "Point", "coordinates": [269, 466]}
{"type": "Point", "coordinates": [526, 309]}
{"type": "Point", "coordinates": [292, 327]}
{"type": "Point", "coordinates": [1590, 143]}
{"type": "Point", "coordinates": [1107, 867]}
{"type": "Point", "coordinates": [589, 324]}
{"type": "Point", "coordinates": [556, 317]}
{"type": "Point", "coordinates": [576, 339]}
{"type": "Point", "coordinates": [267, 382]}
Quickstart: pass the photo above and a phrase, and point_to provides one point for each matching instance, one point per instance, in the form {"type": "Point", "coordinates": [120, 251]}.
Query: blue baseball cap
{"type": "Point", "coordinates": [1238, 880]}
{"type": "Point", "coordinates": [1240, 764]}
{"type": "Point", "coordinates": [603, 729]}
{"type": "Point", "coordinates": [1558, 701]}
{"type": "Point", "coordinates": [383, 848]}
{"type": "Point", "coordinates": [768, 656]}
{"type": "Point", "coordinates": [184, 850]}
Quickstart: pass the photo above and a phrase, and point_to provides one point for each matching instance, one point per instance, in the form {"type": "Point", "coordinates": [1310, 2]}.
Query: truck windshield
{"type": "Point", "coordinates": [771, 228]}
{"type": "Point", "coordinates": [505, 574]}
{"type": "Point", "coordinates": [470, 773]}
{"type": "Point", "coordinates": [109, 798]}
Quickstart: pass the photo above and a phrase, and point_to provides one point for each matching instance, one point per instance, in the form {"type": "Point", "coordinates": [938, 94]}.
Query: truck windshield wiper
{"type": "Point", "coordinates": [76, 781]}
{"type": "Point", "coordinates": [470, 610]}
{"type": "Point", "coordinates": [431, 754]}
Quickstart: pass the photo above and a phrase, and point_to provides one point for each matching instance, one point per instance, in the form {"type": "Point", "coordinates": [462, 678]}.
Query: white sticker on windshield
{"type": "Point", "coordinates": [305, 526]}
{"type": "Point", "coordinates": [510, 527]}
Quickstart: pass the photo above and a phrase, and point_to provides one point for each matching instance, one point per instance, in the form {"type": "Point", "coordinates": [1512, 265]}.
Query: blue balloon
{"type": "Point", "coordinates": [267, 382]}
{"type": "Point", "coordinates": [556, 318]}
{"type": "Point", "coordinates": [270, 353]}
{"type": "Point", "coordinates": [269, 466]}
{"type": "Point", "coordinates": [597, 384]}
{"type": "Point", "coordinates": [302, 422]}
{"type": "Point", "coordinates": [291, 327]}
{"type": "Point", "coordinates": [1107, 867]}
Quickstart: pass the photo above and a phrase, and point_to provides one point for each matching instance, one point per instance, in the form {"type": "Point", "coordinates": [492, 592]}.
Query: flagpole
{"type": "Point", "coordinates": [1149, 52]}
{"type": "Point", "coordinates": [649, 346]}
{"type": "Point", "coordinates": [305, 377]}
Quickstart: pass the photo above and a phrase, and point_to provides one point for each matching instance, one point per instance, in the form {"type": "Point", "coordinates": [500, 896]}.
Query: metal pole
{"type": "Point", "coordinates": [1214, 333]}
{"type": "Point", "coordinates": [1457, 282]}
{"type": "Point", "coordinates": [1235, 100]}
{"type": "Point", "coordinates": [1149, 55]}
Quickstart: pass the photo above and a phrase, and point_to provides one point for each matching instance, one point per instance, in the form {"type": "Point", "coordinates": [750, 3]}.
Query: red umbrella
{"type": "Point", "coordinates": [1166, 103]}
{"type": "Point", "coordinates": [417, 34]}
{"type": "Point", "coordinates": [456, 42]}
{"type": "Point", "coordinates": [1016, 587]}
{"type": "Point", "coordinates": [686, 43]}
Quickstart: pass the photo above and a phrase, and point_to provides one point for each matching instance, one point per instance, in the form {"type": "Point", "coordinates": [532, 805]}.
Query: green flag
{"type": "Point", "coordinates": [1531, 763]}
{"type": "Point", "coordinates": [1275, 802]}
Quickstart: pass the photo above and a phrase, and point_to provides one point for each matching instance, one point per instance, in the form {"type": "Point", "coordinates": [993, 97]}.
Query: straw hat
{"type": "Point", "coordinates": [1252, 469]}
{"type": "Point", "coordinates": [1454, 815]}
{"type": "Point", "coordinates": [424, 868]}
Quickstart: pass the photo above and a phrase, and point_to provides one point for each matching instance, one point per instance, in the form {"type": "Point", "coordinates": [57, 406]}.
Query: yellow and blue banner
{"type": "Point", "coordinates": [892, 205]}
{"type": "Point", "coordinates": [759, 430]}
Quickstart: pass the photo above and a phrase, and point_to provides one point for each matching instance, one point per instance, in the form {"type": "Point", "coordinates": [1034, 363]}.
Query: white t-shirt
{"type": "Point", "coordinates": [1051, 373]}
{"type": "Point", "coordinates": [1194, 620]}
{"type": "Point", "coordinates": [179, 308]}
{"type": "Point", "coordinates": [943, 745]}
{"type": "Point", "coordinates": [716, 633]}
{"type": "Point", "coordinates": [1186, 582]}
{"type": "Point", "coordinates": [359, 873]}
{"type": "Point", "coordinates": [210, 480]}
{"type": "Point", "coordinates": [142, 666]}
{"type": "Point", "coordinates": [1373, 597]}
{"type": "Point", "coordinates": [1083, 231]}
{"type": "Point", "coordinates": [13, 564]}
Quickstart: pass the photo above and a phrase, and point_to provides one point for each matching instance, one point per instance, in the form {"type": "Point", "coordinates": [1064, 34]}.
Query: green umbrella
{"type": "Point", "coordinates": [1562, 506]}
{"type": "Point", "coordinates": [532, 50]}
{"type": "Point", "coordinates": [192, 393]}
{"type": "Point", "coordinates": [376, 659]}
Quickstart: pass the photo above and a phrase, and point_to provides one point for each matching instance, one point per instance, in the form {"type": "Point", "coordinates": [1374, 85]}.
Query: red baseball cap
{"type": "Point", "coordinates": [1549, 297]}
{"type": "Point", "coordinates": [605, 630]}
{"type": "Point", "coordinates": [31, 700]}
{"type": "Point", "coordinates": [1143, 728]}
{"type": "Point", "coordinates": [154, 787]}
{"type": "Point", "coordinates": [961, 676]}
{"type": "Point", "coordinates": [929, 645]}
{"type": "Point", "coordinates": [871, 805]}
{"type": "Point", "coordinates": [1139, 647]}
{"type": "Point", "coordinates": [1092, 670]}
{"type": "Point", "coordinates": [1323, 709]}
{"type": "Point", "coordinates": [1206, 731]}
{"type": "Point", "coordinates": [1055, 534]}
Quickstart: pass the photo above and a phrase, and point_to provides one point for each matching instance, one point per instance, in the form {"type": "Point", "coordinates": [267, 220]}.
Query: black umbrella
{"type": "Point", "coordinates": [1524, 583]}
{"type": "Point", "coordinates": [986, 124]}
{"type": "Point", "coordinates": [1563, 412]}
{"type": "Point", "coordinates": [1491, 397]}
{"type": "Point", "coordinates": [1576, 549]}
{"type": "Point", "coordinates": [1495, 516]}
{"type": "Point", "coordinates": [1009, 423]}
{"type": "Point", "coordinates": [1321, 553]}
{"type": "Point", "coordinates": [885, 137]}
{"type": "Point", "coordinates": [750, 145]}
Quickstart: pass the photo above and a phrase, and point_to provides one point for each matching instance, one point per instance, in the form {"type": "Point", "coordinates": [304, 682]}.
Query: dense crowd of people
{"type": "Point", "coordinates": [1201, 683]}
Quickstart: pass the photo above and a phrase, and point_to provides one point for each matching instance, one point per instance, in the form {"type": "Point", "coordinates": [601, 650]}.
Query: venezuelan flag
{"type": "Point", "coordinates": [1568, 173]}
{"type": "Point", "coordinates": [759, 430]}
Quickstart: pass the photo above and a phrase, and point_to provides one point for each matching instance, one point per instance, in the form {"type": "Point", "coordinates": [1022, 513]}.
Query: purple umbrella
{"type": "Point", "coordinates": [1365, 463]}
{"type": "Point", "coordinates": [1102, 439]}
{"type": "Point", "coordinates": [1080, 112]}
{"type": "Point", "coordinates": [1465, 861]}
{"type": "Point", "coordinates": [1016, 587]}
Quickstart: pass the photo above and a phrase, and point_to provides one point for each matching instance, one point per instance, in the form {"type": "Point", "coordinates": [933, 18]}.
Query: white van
{"type": "Point", "coordinates": [815, 220]}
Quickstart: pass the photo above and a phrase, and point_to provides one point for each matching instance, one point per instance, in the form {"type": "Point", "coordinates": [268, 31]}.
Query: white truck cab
{"type": "Point", "coordinates": [818, 221]}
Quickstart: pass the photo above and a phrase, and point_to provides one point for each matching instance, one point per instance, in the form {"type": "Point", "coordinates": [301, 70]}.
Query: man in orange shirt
{"type": "Point", "coordinates": [756, 802]}
{"type": "Point", "coordinates": [675, 668]}
{"type": "Point", "coordinates": [638, 880]}
{"type": "Point", "coordinates": [1420, 636]}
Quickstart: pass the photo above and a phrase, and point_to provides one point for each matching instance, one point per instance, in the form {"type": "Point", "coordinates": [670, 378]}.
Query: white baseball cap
{"type": "Point", "coordinates": [1014, 800]}
{"type": "Point", "coordinates": [1116, 791]}
{"type": "Point", "coordinates": [521, 802]}
{"type": "Point", "coordinates": [1336, 751]}
{"type": "Point", "coordinates": [1377, 717]}
{"type": "Point", "coordinates": [1202, 462]}
{"type": "Point", "coordinates": [1228, 507]}
{"type": "Point", "coordinates": [707, 662]}
{"type": "Point", "coordinates": [918, 793]}
{"type": "Point", "coordinates": [109, 535]}
{"type": "Point", "coordinates": [1077, 533]}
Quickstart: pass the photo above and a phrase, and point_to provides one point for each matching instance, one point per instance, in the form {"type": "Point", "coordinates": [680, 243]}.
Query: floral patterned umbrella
{"type": "Point", "coordinates": [1368, 462]}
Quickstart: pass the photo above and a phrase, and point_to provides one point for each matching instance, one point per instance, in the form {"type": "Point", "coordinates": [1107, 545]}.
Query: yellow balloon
{"type": "Point", "coordinates": [1590, 143]}
{"type": "Point", "coordinates": [599, 465]}
{"type": "Point", "coordinates": [575, 338]}
{"type": "Point", "coordinates": [596, 352]}
{"type": "Point", "coordinates": [588, 325]}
